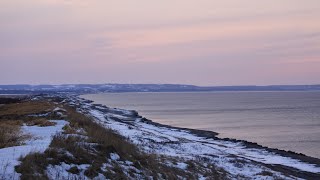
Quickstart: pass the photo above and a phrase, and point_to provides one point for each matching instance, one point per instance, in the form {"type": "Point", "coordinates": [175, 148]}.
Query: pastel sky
{"type": "Point", "coordinates": [201, 42]}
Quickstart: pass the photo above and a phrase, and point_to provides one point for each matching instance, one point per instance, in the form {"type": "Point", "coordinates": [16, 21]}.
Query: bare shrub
{"type": "Point", "coordinates": [11, 135]}
{"type": "Point", "coordinates": [40, 122]}
{"type": "Point", "coordinates": [33, 166]}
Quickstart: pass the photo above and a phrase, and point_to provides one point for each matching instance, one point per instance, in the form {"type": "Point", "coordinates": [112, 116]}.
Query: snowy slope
{"type": "Point", "coordinates": [234, 157]}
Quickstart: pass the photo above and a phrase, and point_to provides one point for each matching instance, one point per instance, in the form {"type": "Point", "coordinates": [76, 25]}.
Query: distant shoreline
{"type": "Point", "coordinates": [107, 88]}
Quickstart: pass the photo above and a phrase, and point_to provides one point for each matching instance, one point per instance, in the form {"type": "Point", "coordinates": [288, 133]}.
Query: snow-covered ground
{"type": "Point", "coordinates": [234, 157]}
{"type": "Point", "coordinates": [40, 141]}
{"type": "Point", "coordinates": [61, 171]}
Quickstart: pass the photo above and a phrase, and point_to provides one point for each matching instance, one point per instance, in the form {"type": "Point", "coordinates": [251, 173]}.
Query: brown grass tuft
{"type": "Point", "coordinates": [13, 115]}
{"type": "Point", "coordinates": [26, 108]}
{"type": "Point", "coordinates": [11, 134]}
{"type": "Point", "coordinates": [40, 122]}
{"type": "Point", "coordinates": [33, 166]}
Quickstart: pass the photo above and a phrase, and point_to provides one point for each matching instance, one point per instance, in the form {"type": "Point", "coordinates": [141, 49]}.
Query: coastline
{"type": "Point", "coordinates": [208, 136]}
{"type": "Point", "coordinates": [272, 119]}
{"type": "Point", "coordinates": [214, 134]}
{"type": "Point", "coordinates": [188, 150]}
{"type": "Point", "coordinates": [247, 144]}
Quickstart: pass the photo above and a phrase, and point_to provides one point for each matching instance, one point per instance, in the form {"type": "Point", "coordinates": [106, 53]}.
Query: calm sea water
{"type": "Point", "coordinates": [285, 120]}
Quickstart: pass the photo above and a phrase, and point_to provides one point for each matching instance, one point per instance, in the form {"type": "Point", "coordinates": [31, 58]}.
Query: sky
{"type": "Point", "coordinates": [200, 42]}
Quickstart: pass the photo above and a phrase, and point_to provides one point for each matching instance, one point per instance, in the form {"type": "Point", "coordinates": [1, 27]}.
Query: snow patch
{"type": "Point", "coordinates": [61, 171]}
{"type": "Point", "coordinates": [41, 139]}
{"type": "Point", "coordinates": [59, 109]}
{"type": "Point", "coordinates": [114, 156]}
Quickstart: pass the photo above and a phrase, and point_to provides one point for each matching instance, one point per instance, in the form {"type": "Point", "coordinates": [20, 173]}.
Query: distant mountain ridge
{"type": "Point", "coordinates": [100, 88]}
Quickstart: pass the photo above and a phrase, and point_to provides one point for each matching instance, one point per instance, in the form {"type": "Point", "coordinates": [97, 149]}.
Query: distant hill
{"type": "Point", "coordinates": [98, 88]}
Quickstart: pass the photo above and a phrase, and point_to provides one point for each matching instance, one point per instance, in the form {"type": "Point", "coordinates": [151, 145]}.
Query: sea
{"type": "Point", "coordinates": [283, 120]}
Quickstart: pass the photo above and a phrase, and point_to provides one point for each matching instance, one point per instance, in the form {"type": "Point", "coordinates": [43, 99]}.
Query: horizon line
{"type": "Point", "coordinates": [65, 84]}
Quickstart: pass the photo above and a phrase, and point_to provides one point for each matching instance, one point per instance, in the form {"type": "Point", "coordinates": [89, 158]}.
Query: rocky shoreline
{"type": "Point", "coordinates": [213, 135]}
{"type": "Point", "coordinates": [128, 120]}
{"type": "Point", "coordinates": [248, 144]}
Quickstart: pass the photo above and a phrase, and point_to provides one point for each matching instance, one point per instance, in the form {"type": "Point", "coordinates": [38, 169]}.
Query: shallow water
{"type": "Point", "coordinates": [284, 120]}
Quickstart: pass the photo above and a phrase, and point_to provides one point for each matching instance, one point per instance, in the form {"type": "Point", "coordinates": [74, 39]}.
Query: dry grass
{"type": "Point", "coordinates": [11, 134]}
{"type": "Point", "coordinates": [27, 112]}
{"type": "Point", "coordinates": [26, 108]}
{"type": "Point", "coordinates": [9, 100]}
{"type": "Point", "coordinates": [33, 167]}
{"type": "Point", "coordinates": [42, 122]}
{"type": "Point", "coordinates": [13, 115]}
